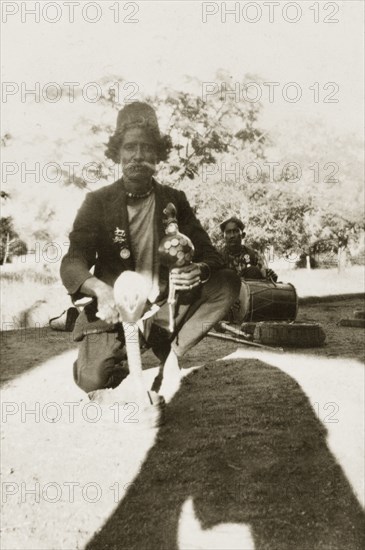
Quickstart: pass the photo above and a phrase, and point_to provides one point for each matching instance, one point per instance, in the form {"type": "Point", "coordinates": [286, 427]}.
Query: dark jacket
{"type": "Point", "coordinates": [105, 210]}
{"type": "Point", "coordinates": [247, 263]}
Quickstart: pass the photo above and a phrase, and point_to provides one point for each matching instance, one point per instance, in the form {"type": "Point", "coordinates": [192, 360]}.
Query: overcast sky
{"type": "Point", "coordinates": [170, 41]}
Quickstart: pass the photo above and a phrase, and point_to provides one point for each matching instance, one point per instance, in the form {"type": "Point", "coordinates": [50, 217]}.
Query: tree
{"type": "Point", "coordinates": [218, 158]}
{"type": "Point", "coordinates": [10, 244]}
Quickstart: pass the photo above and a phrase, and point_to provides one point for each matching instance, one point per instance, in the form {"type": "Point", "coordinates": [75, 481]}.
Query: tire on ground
{"type": "Point", "coordinates": [299, 335]}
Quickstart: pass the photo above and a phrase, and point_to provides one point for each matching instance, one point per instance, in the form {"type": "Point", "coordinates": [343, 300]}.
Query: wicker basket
{"type": "Point", "coordinates": [299, 335]}
{"type": "Point", "coordinates": [359, 323]}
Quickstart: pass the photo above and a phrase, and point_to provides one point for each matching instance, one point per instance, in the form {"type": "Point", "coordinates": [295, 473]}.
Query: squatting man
{"type": "Point", "coordinates": [118, 228]}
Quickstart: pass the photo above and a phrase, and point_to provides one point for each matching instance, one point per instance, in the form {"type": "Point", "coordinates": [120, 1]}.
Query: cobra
{"type": "Point", "coordinates": [130, 295]}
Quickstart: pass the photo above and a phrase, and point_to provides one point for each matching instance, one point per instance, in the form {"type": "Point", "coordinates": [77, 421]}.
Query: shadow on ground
{"type": "Point", "coordinates": [242, 441]}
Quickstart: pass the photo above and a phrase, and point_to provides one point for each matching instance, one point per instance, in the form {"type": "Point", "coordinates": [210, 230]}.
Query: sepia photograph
{"type": "Point", "coordinates": [182, 271]}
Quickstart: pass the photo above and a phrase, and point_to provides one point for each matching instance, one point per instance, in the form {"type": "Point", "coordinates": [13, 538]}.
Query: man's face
{"type": "Point", "coordinates": [138, 155]}
{"type": "Point", "coordinates": [232, 234]}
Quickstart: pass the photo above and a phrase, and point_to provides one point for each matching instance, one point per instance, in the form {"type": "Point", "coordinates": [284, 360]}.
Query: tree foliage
{"type": "Point", "coordinates": [218, 158]}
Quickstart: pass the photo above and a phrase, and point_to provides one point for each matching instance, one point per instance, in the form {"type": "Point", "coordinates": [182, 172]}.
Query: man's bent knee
{"type": "Point", "coordinates": [99, 376]}
{"type": "Point", "coordinates": [228, 283]}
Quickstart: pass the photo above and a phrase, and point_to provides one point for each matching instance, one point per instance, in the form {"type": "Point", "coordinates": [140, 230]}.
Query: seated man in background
{"type": "Point", "coordinates": [247, 262]}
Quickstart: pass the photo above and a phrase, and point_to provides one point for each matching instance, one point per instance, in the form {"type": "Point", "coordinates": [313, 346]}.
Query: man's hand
{"type": "Point", "coordinates": [187, 277]}
{"type": "Point", "coordinates": [107, 310]}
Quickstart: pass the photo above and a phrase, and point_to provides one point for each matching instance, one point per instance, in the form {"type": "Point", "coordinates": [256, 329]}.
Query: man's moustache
{"type": "Point", "coordinates": [144, 164]}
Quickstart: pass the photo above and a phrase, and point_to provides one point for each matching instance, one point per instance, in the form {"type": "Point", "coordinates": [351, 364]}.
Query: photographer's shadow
{"type": "Point", "coordinates": [241, 441]}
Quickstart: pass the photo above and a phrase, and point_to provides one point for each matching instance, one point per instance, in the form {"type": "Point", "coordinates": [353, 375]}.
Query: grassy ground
{"type": "Point", "coordinates": [245, 446]}
{"type": "Point", "coordinates": [27, 348]}
{"type": "Point", "coordinates": [241, 439]}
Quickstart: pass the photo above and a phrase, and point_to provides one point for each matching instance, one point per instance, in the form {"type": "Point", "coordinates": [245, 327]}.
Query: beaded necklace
{"type": "Point", "coordinates": [139, 195]}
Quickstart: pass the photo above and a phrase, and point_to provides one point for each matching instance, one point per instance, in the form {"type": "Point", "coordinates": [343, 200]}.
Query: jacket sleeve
{"type": "Point", "coordinates": [81, 256]}
{"type": "Point", "coordinates": [191, 226]}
